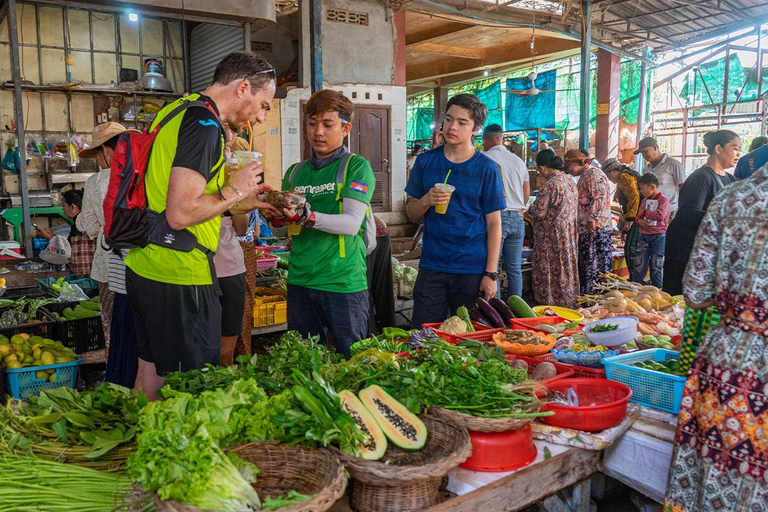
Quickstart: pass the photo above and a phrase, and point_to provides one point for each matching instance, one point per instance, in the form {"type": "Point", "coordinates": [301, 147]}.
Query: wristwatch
{"type": "Point", "coordinates": [492, 275]}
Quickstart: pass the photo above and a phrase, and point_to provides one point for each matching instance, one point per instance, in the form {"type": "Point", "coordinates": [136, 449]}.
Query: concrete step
{"type": "Point", "coordinates": [401, 245]}
{"type": "Point", "coordinates": [393, 218]}
{"type": "Point", "coordinates": [401, 231]}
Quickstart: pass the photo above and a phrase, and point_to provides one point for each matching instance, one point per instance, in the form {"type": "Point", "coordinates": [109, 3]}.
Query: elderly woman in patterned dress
{"type": "Point", "coordinates": [594, 219]}
{"type": "Point", "coordinates": [554, 266]}
{"type": "Point", "coordinates": [720, 460]}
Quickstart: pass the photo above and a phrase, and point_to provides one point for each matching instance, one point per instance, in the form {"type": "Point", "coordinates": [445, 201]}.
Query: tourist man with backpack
{"type": "Point", "coordinates": [327, 284]}
{"type": "Point", "coordinates": [171, 280]}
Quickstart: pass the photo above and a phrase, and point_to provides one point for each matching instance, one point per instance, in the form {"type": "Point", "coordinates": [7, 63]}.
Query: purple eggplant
{"type": "Point", "coordinates": [502, 309]}
{"type": "Point", "coordinates": [492, 314]}
{"type": "Point", "coordinates": [477, 316]}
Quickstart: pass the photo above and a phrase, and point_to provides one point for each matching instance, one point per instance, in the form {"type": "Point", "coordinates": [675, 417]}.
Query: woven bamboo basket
{"type": "Point", "coordinates": [285, 468]}
{"type": "Point", "coordinates": [408, 480]}
{"type": "Point", "coordinates": [477, 424]}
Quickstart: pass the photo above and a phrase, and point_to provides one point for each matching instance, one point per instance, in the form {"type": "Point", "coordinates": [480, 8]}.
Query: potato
{"type": "Point", "coordinates": [544, 371]}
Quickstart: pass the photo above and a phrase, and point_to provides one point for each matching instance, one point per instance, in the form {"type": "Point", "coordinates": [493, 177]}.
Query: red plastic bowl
{"type": "Point", "coordinates": [610, 404]}
{"type": "Point", "coordinates": [501, 451]}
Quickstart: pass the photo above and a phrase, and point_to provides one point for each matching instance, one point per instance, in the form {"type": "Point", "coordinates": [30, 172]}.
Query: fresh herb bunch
{"type": "Point", "coordinates": [96, 428]}
{"type": "Point", "coordinates": [381, 344]}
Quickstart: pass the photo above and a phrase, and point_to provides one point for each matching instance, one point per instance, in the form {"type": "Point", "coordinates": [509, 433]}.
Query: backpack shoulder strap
{"type": "Point", "coordinates": [293, 170]}
{"type": "Point", "coordinates": [341, 173]}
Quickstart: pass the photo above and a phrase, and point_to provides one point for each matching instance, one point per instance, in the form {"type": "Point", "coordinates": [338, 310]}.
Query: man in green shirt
{"type": "Point", "coordinates": [327, 284]}
{"type": "Point", "coordinates": [172, 293]}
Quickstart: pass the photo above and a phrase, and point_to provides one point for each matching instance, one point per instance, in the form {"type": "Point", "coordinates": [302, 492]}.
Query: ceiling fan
{"type": "Point", "coordinates": [533, 91]}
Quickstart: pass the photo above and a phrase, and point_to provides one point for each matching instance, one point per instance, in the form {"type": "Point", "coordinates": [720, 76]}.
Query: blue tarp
{"type": "Point", "coordinates": [524, 112]}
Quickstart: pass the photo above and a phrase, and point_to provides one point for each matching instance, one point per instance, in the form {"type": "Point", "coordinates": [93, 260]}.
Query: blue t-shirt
{"type": "Point", "coordinates": [455, 242]}
{"type": "Point", "coordinates": [760, 156]}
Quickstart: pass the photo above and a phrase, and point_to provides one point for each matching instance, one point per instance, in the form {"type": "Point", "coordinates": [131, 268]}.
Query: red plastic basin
{"type": "Point", "coordinates": [602, 404]}
{"type": "Point", "coordinates": [501, 451]}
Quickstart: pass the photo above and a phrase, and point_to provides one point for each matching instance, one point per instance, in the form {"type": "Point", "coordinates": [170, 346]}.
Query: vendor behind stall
{"type": "Point", "coordinates": [327, 286]}
{"type": "Point", "coordinates": [82, 246]}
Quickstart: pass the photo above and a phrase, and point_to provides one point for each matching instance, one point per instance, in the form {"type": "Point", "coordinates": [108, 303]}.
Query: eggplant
{"type": "Point", "coordinates": [487, 309]}
{"type": "Point", "coordinates": [502, 309]}
{"type": "Point", "coordinates": [477, 316]}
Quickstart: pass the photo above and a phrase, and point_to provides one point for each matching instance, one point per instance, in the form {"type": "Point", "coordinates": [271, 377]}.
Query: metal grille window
{"type": "Point", "coordinates": [61, 44]}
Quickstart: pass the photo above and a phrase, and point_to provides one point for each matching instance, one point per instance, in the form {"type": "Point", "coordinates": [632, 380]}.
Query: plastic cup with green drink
{"type": "Point", "coordinates": [443, 208]}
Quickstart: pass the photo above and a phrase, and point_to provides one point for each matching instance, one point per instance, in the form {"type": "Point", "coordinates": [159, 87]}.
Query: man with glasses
{"type": "Point", "coordinates": [173, 291]}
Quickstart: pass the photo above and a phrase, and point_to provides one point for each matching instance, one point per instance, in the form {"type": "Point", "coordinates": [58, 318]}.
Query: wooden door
{"type": "Point", "coordinates": [370, 138]}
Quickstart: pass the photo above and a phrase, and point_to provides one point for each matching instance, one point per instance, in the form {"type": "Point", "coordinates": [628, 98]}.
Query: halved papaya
{"type": "Point", "coordinates": [400, 426]}
{"type": "Point", "coordinates": [376, 442]}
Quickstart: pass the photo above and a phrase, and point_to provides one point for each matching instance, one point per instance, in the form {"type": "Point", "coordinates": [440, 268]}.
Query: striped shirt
{"type": "Point", "coordinates": [116, 273]}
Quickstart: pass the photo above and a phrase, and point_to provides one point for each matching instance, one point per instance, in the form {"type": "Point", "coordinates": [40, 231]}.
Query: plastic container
{"type": "Point", "coordinates": [585, 358]}
{"type": "Point", "coordinates": [531, 323]}
{"type": "Point", "coordinates": [564, 313]}
{"type": "Point", "coordinates": [456, 338]}
{"type": "Point", "coordinates": [22, 382]}
{"type": "Point", "coordinates": [266, 263]}
{"type": "Point", "coordinates": [654, 389]}
{"type": "Point", "coordinates": [89, 286]}
{"type": "Point", "coordinates": [501, 451]}
{"type": "Point", "coordinates": [626, 332]}
{"type": "Point", "coordinates": [563, 371]}
{"type": "Point", "coordinates": [271, 313]}
{"type": "Point", "coordinates": [42, 328]}
{"type": "Point", "coordinates": [81, 335]}
{"type": "Point", "coordinates": [602, 404]}
{"type": "Point", "coordinates": [579, 371]}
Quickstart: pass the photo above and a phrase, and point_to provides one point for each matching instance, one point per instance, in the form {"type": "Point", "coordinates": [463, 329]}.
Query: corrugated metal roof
{"type": "Point", "coordinates": [676, 23]}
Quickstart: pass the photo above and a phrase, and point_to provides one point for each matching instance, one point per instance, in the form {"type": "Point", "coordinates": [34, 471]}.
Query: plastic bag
{"type": "Point", "coordinates": [72, 293]}
{"type": "Point", "coordinates": [12, 161]}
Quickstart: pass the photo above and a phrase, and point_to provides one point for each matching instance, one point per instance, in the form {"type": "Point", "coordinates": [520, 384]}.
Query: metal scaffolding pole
{"type": "Point", "coordinates": [586, 53]}
{"type": "Point", "coordinates": [316, 44]}
{"type": "Point", "coordinates": [19, 119]}
{"type": "Point", "coordinates": [642, 106]}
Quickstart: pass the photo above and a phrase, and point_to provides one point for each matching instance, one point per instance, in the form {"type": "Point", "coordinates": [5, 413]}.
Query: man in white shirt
{"type": "Point", "coordinates": [670, 172]}
{"type": "Point", "coordinates": [514, 177]}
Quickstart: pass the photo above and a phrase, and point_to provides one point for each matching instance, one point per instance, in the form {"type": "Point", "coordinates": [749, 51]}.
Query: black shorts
{"type": "Point", "coordinates": [232, 304]}
{"type": "Point", "coordinates": [178, 327]}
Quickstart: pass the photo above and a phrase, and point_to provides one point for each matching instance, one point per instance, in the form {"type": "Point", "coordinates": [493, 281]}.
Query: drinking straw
{"type": "Point", "coordinates": [250, 137]}
{"type": "Point", "coordinates": [446, 176]}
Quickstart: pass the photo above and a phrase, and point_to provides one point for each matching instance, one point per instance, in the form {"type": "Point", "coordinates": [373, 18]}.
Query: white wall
{"type": "Point", "coordinates": [391, 95]}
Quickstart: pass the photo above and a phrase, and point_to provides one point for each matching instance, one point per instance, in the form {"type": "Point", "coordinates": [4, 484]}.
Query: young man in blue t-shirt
{"type": "Point", "coordinates": [461, 246]}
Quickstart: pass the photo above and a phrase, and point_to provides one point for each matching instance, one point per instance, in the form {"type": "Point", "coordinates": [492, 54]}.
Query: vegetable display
{"type": "Point", "coordinates": [669, 367]}
{"type": "Point", "coordinates": [23, 350]}
{"type": "Point", "coordinates": [454, 325]}
{"type": "Point", "coordinates": [520, 308]}
{"type": "Point", "coordinates": [605, 328]}
{"type": "Point", "coordinates": [95, 429]}
{"type": "Point", "coordinates": [34, 484]}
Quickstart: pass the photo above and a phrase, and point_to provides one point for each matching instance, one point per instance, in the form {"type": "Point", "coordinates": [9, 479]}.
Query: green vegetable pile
{"type": "Point", "coordinates": [27, 483]}
{"type": "Point", "coordinates": [20, 311]}
{"type": "Point", "coordinates": [604, 328]}
{"type": "Point", "coordinates": [180, 446]}
{"type": "Point", "coordinates": [95, 429]}
{"type": "Point", "coordinates": [669, 367]}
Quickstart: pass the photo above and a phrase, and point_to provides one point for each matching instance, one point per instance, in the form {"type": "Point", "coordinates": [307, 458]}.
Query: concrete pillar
{"type": "Point", "coordinates": [608, 91]}
{"type": "Point", "coordinates": [398, 74]}
{"type": "Point", "coordinates": [441, 98]}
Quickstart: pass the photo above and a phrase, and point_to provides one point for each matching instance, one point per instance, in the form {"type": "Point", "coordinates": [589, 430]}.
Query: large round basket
{"type": "Point", "coordinates": [477, 424]}
{"type": "Point", "coordinates": [283, 469]}
{"type": "Point", "coordinates": [408, 480]}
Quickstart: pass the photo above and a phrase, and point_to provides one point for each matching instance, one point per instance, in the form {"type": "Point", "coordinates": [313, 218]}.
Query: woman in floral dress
{"type": "Point", "coordinates": [594, 215]}
{"type": "Point", "coordinates": [555, 264]}
{"type": "Point", "coordinates": [720, 462]}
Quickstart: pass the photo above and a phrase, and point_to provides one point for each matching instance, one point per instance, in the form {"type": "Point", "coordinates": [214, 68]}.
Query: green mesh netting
{"type": "Point", "coordinates": [562, 114]}
{"type": "Point", "coordinates": [742, 83]}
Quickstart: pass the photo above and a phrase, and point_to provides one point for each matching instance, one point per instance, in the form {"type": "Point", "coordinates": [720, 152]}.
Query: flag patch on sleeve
{"type": "Point", "coordinates": [359, 186]}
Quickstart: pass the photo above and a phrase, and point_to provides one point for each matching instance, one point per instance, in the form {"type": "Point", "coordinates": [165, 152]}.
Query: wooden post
{"type": "Point", "coordinates": [586, 52]}
{"type": "Point", "coordinates": [608, 91]}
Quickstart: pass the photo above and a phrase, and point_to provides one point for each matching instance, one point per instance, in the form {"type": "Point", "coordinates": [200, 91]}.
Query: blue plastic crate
{"type": "Point", "coordinates": [654, 389]}
{"type": "Point", "coordinates": [22, 382]}
{"type": "Point", "coordinates": [89, 286]}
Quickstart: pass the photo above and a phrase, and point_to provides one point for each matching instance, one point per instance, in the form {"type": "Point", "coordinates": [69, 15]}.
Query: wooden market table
{"type": "Point", "coordinates": [16, 279]}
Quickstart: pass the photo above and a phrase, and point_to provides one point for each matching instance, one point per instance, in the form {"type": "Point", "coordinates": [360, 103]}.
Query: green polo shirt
{"type": "Point", "coordinates": [316, 256]}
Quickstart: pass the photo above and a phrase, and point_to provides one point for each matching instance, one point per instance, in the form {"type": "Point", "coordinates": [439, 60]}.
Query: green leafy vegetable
{"type": "Point", "coordinates": [292, 498]}
{"type": "Point", "coordinates": [604, 328]}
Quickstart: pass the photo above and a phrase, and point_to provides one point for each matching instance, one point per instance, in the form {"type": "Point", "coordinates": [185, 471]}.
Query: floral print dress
{"type": "Point", "coordinates": [594, 191]}
{"type": "Point", "coordinates": [720, 461]}
{"type": "Point", "coordinates": [554, 264]}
